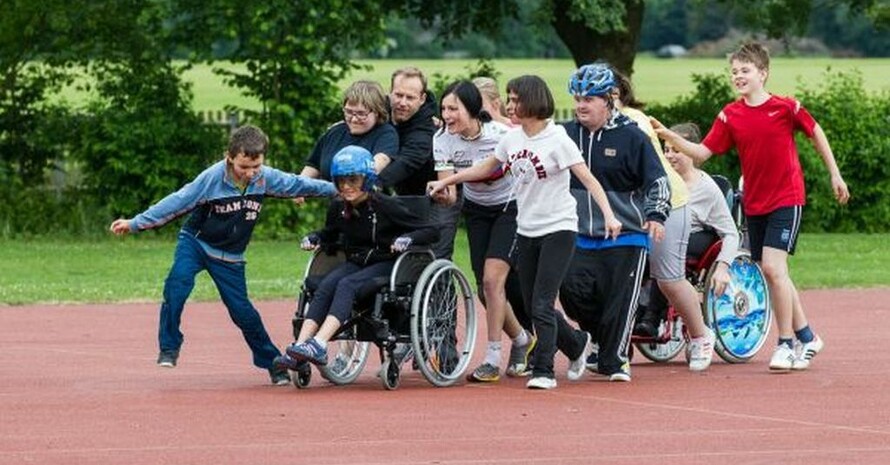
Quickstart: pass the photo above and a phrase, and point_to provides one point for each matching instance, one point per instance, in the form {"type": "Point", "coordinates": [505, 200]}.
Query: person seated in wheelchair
{"type": "Point", "coordinates": [711, 220]}
{"type": "Point", "coordinates": [372, 229]}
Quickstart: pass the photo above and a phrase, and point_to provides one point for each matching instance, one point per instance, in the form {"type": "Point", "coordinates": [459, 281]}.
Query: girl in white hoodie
{"type": "Point", "coordinates": [541, 157]}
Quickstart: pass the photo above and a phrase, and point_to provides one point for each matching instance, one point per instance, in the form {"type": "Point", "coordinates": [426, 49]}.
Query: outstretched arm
{"type": "Point", "coordinates": [478, 171]}
{"type": "Point", "coordinates": [698, 152]}
{"type": "Point", "coordinates": [820, 142]}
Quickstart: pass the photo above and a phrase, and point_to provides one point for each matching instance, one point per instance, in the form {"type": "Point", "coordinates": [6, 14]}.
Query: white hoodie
{"type": "Point", "coordinates": [540, 165]}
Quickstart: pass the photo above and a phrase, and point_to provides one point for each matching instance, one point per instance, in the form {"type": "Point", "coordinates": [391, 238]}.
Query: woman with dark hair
{"type": "Point", "coordinates": [541, 156]}
{"type": "Point", "coordinates": [467, 137]}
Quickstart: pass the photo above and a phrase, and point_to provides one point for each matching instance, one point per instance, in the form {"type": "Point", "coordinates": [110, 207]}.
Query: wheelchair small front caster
{"type": "Point", "coordinates": [390, 374]}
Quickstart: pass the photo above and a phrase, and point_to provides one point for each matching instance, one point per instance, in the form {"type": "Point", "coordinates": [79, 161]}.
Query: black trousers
{"type": "Point", "coordinates": [600, 292]}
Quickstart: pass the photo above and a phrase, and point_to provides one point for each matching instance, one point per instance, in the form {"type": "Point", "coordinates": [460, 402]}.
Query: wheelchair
{"type": "Point", "coordinates": [423, 311]}
{"type": "Point", "coordinates": [740, 317]}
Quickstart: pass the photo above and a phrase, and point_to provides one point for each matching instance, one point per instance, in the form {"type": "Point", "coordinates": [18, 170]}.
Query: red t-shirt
{"type": "Point", "coordinates": [764, 137]}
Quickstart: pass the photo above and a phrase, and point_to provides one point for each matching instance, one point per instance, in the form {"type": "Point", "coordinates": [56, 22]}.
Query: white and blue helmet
{"type": "Point", "coordinates": [592, 80]}
{"type": "Point", "coordinates": [353, 160]}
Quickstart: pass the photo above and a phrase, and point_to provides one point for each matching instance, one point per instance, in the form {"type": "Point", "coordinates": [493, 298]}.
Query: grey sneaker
{"type": "Point", "coordinates": [167, 358]}
{"type": "Point", "coordinates": [485, 373]}
{"type": "Point", "coordinates": [279, 376]}
{"type": "Point", "coordinates": [518, 364]}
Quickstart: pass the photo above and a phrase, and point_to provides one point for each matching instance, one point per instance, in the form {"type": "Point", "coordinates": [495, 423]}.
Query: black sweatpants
{"type": "Point", "coordinates": [600, 292]}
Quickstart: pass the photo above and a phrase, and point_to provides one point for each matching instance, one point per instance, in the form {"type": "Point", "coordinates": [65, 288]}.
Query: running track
{"type": "Point", "coordinates": [79, 385]}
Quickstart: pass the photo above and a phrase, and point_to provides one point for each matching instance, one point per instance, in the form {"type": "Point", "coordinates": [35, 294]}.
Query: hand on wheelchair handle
{"type": "Point", "coordinates": [310, 242]}
{"type": "Point", "coordinates": [401, 243]}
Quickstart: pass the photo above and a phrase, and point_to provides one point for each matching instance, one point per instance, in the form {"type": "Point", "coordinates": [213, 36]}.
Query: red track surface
{"type": "Point", "coordinates": [79, 385]}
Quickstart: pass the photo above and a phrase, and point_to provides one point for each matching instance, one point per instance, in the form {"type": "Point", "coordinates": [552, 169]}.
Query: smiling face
{"type": "Point", "coordinates": [679, 162]}
{"type": "Point", "coordinates": [244, 168]}
{"type": "Point", "coordinates": [747, 78]}
{"type": "Point", "coordinates": [592, 112]}
{"type": "Point", "coordinates": [359, 119]}
{"type": "Point", "coordinates": [455, 116]}
{"type": "Point", "coordinates": [350, 188]}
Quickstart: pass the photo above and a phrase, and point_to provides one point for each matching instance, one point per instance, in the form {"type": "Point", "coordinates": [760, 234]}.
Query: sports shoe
{"type": "Point", "coordinates": [593, 358]}
{"type": "Point", "coordinates": [808, 350]}
{"type": "Point", "coordinates": [310, 351]}
{"type": "Point", "coordinates": [622, 375]}
{"type": "Point", "coordinates": [518, 366]}
{"type": "Point", "coordinates": [287, 363]}
{"type": "Point", "coordinates": [485, 373]}
{"type": "Point", "coordinates": [279, 376]}
{"type": "Point", "coordinates": [576, 366]}
{"type": "Point", "coordinates": [167, 358]}
{"type": "Point", "coordinates": [541, 382]}
{"type": "Point", "coordinates": [701, 351]}
{"type": "Point", "coordinates": [783, 358]}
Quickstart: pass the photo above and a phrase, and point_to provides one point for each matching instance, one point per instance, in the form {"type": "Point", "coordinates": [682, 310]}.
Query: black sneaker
{"type": "Point", "coordinates": [167, 358]}
{"type": "Point", "coordinates": [279, 376]}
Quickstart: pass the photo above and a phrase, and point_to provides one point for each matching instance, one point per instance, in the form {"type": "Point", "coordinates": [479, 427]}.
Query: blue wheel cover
{"type": "Point", "coordinates": [740, 316]}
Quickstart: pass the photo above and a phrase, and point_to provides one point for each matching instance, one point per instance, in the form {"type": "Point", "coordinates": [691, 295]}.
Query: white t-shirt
{"type": "Point", "coordinates": [540, 165]}
{"type": "Point", "coordinates": [453, 152]}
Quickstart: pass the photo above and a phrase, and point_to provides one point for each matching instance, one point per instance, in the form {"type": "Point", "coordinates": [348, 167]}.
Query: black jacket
{"type": "Point", "coordinates": [367, 231]}
{"type": "Point", "coordinates": [413, 166]}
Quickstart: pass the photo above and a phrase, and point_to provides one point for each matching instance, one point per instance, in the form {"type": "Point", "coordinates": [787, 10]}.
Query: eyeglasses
{"type": "Point", "coordinates": [357, 115]}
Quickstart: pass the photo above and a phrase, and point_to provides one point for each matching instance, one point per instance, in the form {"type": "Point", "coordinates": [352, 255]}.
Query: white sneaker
{"type": "Point", "coordinates": [622, 375]}
{"type": "Point", "coordinates": [783, 358]}
{"type": "Point", "coordinates": [807, 352]}
{"type": "Point", "coordinates": [577, 366]}
{"type": "Point", "coordinates": [541, 382]}
{"type": "Point", "coordinates": [701, 351]}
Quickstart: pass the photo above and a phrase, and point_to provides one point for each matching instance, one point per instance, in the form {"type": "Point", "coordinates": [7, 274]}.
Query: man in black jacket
{"type": "Point", "coordinates": [413, 111]}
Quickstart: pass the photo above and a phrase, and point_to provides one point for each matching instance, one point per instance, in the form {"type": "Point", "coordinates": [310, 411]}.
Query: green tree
{"type": "Point", "coordinates": [610, 29]}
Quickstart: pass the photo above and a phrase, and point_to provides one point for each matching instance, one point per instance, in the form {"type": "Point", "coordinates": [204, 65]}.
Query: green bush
{"type": "Point", "coordinates": [856, 125]}
{"type": "Point", "coordinates": [142, 141]}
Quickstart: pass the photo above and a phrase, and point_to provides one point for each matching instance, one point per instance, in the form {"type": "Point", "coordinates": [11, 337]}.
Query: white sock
{"type": "Point", "coordinates": [522, 339]}
{"type": "Point", "coordinates": [320, 342]}
{"type": "Point", "coordinates": [493, 354]}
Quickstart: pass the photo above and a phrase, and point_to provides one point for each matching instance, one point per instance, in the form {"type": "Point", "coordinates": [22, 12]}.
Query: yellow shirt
{"type": "Point", "coordinates": [679, 192]}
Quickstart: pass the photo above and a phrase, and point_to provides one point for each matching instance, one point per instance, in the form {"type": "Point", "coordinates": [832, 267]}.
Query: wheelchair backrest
{"type": "Point", "coordinates": [726, 188]}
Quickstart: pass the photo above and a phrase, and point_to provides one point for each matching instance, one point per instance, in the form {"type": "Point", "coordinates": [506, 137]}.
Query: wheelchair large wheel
{"type": "Point", "coordinates": [662, 352]}
{"type": "Point", "coordinates": [741, 316]}
{"type": "Point", "coordinates": [346, 359]}
{"type": "Point", "coordinates": [443, 323]}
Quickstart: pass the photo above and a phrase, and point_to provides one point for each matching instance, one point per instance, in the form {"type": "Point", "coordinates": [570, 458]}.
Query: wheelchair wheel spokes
{"type": "Point", "coordinates": [346, 359]}
{"type": "Point", "coordinates": [661, 352]}
{"type": "Point", "coordinates": [443, 323]}
{"type": "Point", "coordinates": [741, 316]}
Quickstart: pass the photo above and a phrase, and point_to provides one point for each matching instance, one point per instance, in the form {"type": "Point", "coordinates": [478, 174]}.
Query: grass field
{"type": "Point", "coordinates": [133, 269]}
{"type": "Point", "coordinates": [656, 80]}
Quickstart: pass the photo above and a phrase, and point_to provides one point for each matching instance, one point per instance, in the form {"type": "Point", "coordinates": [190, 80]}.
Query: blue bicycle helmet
{"type": "Point", "coordinates": [592, 80]}
{"type": "Point", "coordinates": [353, 160]}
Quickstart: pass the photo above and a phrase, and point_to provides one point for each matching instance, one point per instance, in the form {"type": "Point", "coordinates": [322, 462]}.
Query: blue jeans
{"type": "Point", "coordinates": [189, 260]}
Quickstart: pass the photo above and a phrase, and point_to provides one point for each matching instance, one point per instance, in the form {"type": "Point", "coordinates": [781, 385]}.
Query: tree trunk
{"type": "Point", "coordinates": [618, 48]}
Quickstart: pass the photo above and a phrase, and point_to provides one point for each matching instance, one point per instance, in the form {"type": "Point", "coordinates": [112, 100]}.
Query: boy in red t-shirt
{"type": "Point", "coordinates": [761, 126]}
